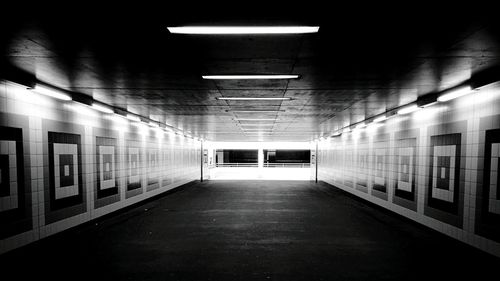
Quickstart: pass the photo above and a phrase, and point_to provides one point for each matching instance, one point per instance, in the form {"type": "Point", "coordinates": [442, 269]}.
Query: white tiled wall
{"type": "Point", "coordinates": [472, 116]}
{"type": "Point", "coordinates": [179, 156]}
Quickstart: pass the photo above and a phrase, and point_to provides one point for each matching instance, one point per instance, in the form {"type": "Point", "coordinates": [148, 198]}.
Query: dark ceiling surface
{"type": "Point", "coordinates": [360, 63]}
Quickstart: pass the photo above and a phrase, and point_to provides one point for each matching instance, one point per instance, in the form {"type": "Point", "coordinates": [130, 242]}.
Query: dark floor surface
{"type": "Point", "coordinates": [250, 230]}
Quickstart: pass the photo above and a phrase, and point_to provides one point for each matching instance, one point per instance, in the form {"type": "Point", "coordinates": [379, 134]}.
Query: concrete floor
{"type": "Point", "coordinates": [250, 230]}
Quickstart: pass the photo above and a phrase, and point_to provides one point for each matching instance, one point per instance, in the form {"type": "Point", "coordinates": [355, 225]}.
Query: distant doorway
{"type": "Point", "coordinates": [261, 164]}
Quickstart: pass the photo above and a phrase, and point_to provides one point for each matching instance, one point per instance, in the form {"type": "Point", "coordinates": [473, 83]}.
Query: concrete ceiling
{"type": "Point", "coordinates": [358, 65]}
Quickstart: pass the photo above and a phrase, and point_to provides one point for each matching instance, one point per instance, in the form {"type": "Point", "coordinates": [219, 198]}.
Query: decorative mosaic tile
{"type": "Point", "coordinates": [488, 191]}
{"type": "Point", "coordinates": [153, 167]}
{"type": "Point", "coordinates": [15, 183]}
{"type": "Point", "coordinates": [107, 190]}
{"type": "Point", "coordinates": [64, 185]}
{"type": "Point", "coordinates": [380, 169]}
{"type": "Point", "coordinates": [65, 165]}
{"type": "Point", "coordinates": [446, 166]}
{"type": "Point", "coordinates": [362, 169]}
{"type": "Point", "coordinates": [405, 186]}
{"type": "Point", "coordinates": [134, 165]}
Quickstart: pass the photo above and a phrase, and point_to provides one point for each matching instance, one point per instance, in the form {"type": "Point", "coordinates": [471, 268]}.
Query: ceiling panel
{"type": "Point", "coordinates": [361, 63]}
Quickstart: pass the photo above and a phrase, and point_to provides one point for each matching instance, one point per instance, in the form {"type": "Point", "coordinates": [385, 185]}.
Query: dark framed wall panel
{"type": "Point", "coordinates": [338, 162]}
{"type": "Point", "coordinates": [406, 166]}
{"type": "Point", "coordinates": [64, 185]}
{"type": "Point", "coordinates": [362, 163]}
{"type": "Point", "coordinates": [446, 172]}
{"type": "Point", "coordinates": [166, 161]}
{"type": "Point", "coordinates": [15, 176]}
{"type": "Point", "coordinates": [153, 165]}
{"type": "Point", "coordinates": [380, 165]}
{"type": "Point", "coordinates": [348, 168]}
{"type": "Point", "coordinates": [133, 165]}
{"type": "Point", "coordinates": [487, 190]}
{"type": "Point", "coordinates": [106, 172]}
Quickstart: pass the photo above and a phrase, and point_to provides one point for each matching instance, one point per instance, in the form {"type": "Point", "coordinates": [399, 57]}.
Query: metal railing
{"type": "Point", "coordinates": [265, 165]}
{"type": "Point", "coordinates": [236, 165]}
{"type": "Point", "coordinates": [287, 165]}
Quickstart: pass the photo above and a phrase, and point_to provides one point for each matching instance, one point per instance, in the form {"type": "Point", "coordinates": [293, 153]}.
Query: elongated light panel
{"type": "Point", "coordinates": [51, 93]}
{"type": "Point", "coordinates": [249, 98]}
{"type": "Point", "coordinates": [102, 108]}
{"type": "Point", "coordinates": [249, 77]}
{"type": "Point", "coordinates": [408, 109]}
{"type": "Point", "coordinates": [456, 93]}
{"type": "Point", "coordinates": [235, 30]}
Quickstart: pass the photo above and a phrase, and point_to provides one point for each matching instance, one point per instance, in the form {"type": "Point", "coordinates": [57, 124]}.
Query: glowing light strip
{"type": "Point", "coordinates": [252, 98]}
{"type": "Point", "coordinates": [380, 119]}
{"type": "Point", "coordinates": [133, 117]}
{"type": "Point", "coordinates": [255, 119]}
{"type": "Point", "coordinates": [236, 30]}
{"type": "Point", "coordinates": [51, 93]}
{"type": "Point", "coordinates": [455, 93]}
{"type": "Point", "coordinates": [408, 109]}
{"type": "Point", "coordinates": [102, 108]}
{"type": "Point", "coordinates": [248, 77]}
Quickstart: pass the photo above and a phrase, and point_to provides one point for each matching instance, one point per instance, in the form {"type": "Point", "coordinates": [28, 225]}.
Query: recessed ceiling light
{"type": "Point", "coordinates": [255, 119]}
{"type": "Point", "coordinates": [408, 109]}
{"type": "Point", "coordinates": [252, 98]}
{"type": "Point", "coordinates": [360, 126]}
{"type": "Point", "coordinates": [380, 119]}
{"type": "Point", "coordinates": [259, 134]}
{"type": "Point", "coordinates": [258, 110]}
{"type": "Point", "coordinates": [133, 117]}
{"type": "Point", "coordinates": [455, 93]}
{"type": "Point", "coordinates": [102, 108]}
{"type": "Point", "coordinates": [154, 124]}
{"type": "Point", "coordinates": [243, 29]}
{"type": "Point", "coordinates": [256, 125]}
{"type": "Point", "coordinates": [248, 77]}
{"type": "Point", "coordinates": [51, 92]}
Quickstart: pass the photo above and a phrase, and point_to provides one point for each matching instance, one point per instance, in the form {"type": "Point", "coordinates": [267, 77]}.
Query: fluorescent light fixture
{"type": "Point", "coordinates": [102, 108]}
{"type": "Point", "coordinates": [455, 93]}
{"type": "Point", "coordinates": [133, 117]}
{"type": "Point", "coordinates": [380, 119]}
{"type": "Point", "coordinates": [360, 126]}
{"type": "Point", "coordinates": [337, 134]}
{"type": "Point", "coordinates": [258, 110]}
{"type": "Point", "coordinates": [248, 77]}
{"type": "Point", "coordinates": [256, 125]}
{"type": "Point", "coordinates": [235, 30]}
{"type": "Point", "coordinates": [51, 93]}
{"type": "Point", "coordinates": [119, 119]}
{"type": "Point", "coordinates": [255, 119]}
{"type": "Point", "coordinates": [252, 98]}
{"type": "Point", "coordinates": [408, 109]}
{"type": "Point", "coordinates": [154, 124]}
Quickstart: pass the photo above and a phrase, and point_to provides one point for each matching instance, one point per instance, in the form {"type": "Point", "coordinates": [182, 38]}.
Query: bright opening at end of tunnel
{"type": "Point", "coordinates": [259, 161]}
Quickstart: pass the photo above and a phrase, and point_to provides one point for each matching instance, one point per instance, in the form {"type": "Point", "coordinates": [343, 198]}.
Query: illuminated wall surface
{"type": "Point", "coordinates": [62, 164]}
{"type": "Point", "coordinates": [437, 166]}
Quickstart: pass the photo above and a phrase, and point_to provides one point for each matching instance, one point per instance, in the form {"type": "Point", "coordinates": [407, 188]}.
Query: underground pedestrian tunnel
{"type": "Point", "coordinates": [206, 145]}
